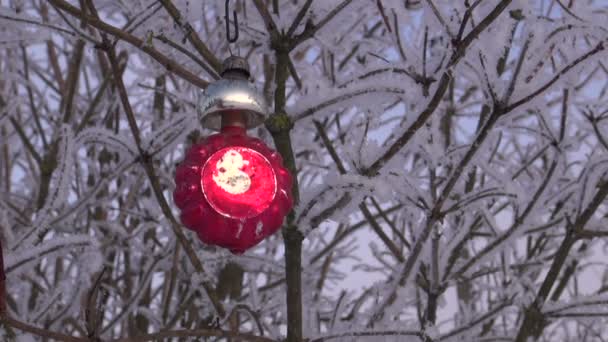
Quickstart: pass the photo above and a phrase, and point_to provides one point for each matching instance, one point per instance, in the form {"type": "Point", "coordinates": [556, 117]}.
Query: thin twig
{"type": "Point", "coordinates": [311, 30]}
{"type": "Point", "coordinates": [298, 18]}
{"type": "Point", "coordinates": [11, 322]}
{"type": "Point", "coordinates": [195, 333]}
{"type": "Point", "coordinates": [599, 47]}
{"type": "Point", "coordinates": [168, 63]}
{"type": "Point", "coordinates": [440, 18]}
{"type": "Point", "coordinates": [155, 183]}
{"type": "Point", "coordinates": [193, 38]}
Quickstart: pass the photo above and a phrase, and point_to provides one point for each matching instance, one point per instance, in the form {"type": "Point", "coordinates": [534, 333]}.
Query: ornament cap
{"type": "Point", "coordinates": [231, 94]}
{"type": "Point", "coordinates": [235, 64]}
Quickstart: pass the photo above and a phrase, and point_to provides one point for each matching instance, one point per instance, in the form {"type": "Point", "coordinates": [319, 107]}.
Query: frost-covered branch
{"type": "Point", "coordinates": [168, 63]}
{"type": "Point", "coordinates": [151, 173]}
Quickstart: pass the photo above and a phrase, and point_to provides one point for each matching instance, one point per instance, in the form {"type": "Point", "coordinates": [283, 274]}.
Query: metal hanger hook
{"type": "Point", "coordinates": [236, 24]}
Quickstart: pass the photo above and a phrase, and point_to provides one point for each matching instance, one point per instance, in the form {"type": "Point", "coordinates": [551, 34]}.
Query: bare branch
{"type": "Point", "coordinates": [311, 30]}
{"type": "Point", "coordinates": [11, 322]}
{"type": "Point", "coordinates": [193, 38]}
{"type": "Point", "coordinates": [151, 173]}
{"type": "Point", "coordinates": [440, 18]}
{"type": "Point", "coordinates": [599, 47]}
{"type": "Point", "coordinates": [168, 63]}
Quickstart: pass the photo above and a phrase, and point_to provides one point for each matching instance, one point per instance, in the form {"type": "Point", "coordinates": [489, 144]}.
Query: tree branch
{"type": "Point", "coordinates": [155, 183]}
{"type": "Point", "coordinates": [165, 61]}
{"type": "Point", "coordinates": [311, 30]}
{"type": "Point", "coordinates": [195, 333]}
{"type": "Point", "coordinates": [533, 321]}
{"type": "Point", "coordinates": [193, 38]}
{"type": "Point", "coordinates": [599, 47]}
{"type": "Point", "coordinates": [11, 322]}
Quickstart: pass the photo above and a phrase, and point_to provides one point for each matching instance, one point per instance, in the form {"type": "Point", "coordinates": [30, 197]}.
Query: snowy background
{"type": "Point", "coordinates": [450, 156]}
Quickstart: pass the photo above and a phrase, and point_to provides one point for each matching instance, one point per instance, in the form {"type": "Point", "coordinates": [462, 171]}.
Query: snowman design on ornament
{"type": "Point", "coordinates": [230, 176]}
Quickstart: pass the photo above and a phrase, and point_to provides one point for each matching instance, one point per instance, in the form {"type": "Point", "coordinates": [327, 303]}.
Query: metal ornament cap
{"type": "Point", "coordinates": [232, 190]}
{"type": "Point", "coordinates": [235, 63]}
{"type": "Point", "coordinates": [233, 92]}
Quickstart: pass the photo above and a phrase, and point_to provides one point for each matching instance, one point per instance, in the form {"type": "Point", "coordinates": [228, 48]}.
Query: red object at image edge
{"type": "Point", "coordinates": [232, 190]}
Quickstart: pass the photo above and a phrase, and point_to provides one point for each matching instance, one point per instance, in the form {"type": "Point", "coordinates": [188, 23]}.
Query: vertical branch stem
{"type": "Point", "coordinates": [279, 126]}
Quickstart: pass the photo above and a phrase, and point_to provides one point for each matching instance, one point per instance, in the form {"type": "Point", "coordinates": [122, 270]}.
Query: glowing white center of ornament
{"type": "Point", "coordinates": [230, 176]}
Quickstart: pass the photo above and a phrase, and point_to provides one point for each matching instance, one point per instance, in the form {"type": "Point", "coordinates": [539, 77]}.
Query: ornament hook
{"type": "Point", "coordinates": [236, 25]}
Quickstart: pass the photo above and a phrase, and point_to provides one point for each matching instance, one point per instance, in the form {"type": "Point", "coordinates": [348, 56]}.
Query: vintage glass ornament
{"type": "Point", "coordinates": [232, 189]}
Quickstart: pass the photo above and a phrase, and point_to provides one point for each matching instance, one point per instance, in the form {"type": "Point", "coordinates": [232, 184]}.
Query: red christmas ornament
{"type": "Point", "coordinates": [232, 189]}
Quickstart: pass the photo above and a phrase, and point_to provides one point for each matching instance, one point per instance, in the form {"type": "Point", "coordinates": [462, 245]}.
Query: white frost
{"type": "Point", "coordinates": [258, 228]}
